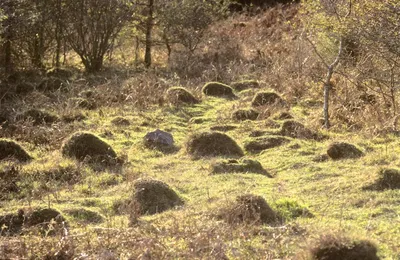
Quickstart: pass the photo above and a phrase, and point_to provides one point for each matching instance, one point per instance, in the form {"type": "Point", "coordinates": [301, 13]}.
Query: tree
{"type": "Point", "coordinates": [92, 26]}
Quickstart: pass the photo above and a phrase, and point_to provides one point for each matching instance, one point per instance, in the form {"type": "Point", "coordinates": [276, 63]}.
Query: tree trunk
{"type": "Point", "coordinates": [8, 35]}
{"type": "Point", "coordinates": [58, 34]}
{"type": "Point", "coordinates": [149, 27]}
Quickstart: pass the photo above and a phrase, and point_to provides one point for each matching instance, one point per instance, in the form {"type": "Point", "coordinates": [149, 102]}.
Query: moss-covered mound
{"type": "Point", "coordinates": [245, 114]}
{"type": "Point", "coordinates": [52, 84]}
{"type": "Point", "coordinates": [90, 148]}
{"type": "Point", "coordinates": [245, 84]}
{"type": "Point", "coordinates": [59, 73]}
{"type": "Point", "coordinates": [294, 129]}
{"type": "Point", "coordinates": [84, 103]}
{"type": "Point", "coordinates": [266, 98]}
{"type": "Point", "coordinates": [177, 95]}
{"type": "Point", "coordinates": [263, 143]}
{"type": "Point", "coordinates": [120, 121]}
{"type": "Point", "coordinates": [217, 89]}
{"type": "Point", "coordinates": [238, 166]}
{"type": "Point", "coordinates": [153, 196]}
{"type": "Point", "coordinates": [84, 215]}
{"type": "Point", "coordinates": [341, 150]}
{"type": "Point", "coordinates": [9, 178]}
{"type": "Point", "coordinates": [12, 150]}
{"type": "Point", "coordinates": [72, 117]}
{"type": "Point", "coordinates": [333, 248]}
{"type": "Point", "coordinates": [212, 144]}
{"type": "Point", "coordinates": [12, 222]}
{"type": "Point", "coordinates": [47, 221]}
{"type": "Point", "coordinates": [388, 179]}
{"type": "Point", "coordinates": [223, 128]}
{"type": "Point", "coordinates": [249, 209]}
{"type": "Point", "coordinates": [282, 116]}
{"type": "Point", "coordinates": [38, 117]}
{"type": "Point", "coordinates": [24, 88]}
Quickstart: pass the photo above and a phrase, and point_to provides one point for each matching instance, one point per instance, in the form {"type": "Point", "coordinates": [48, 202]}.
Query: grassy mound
{"type": "Point", "coordinates": [235, 166]}
{"type": "Point", "coordinates": [282, 116]}
{"type": "Point", "coordinates": [24, 88]}
{"type": "Point", "coordinates": [9, 178]}
{"type": "Point", "coordinates": [223, 128]}
{"type": "Point", "coordinates": [333, 248]}
{"type": "Point", "coordinates": [120, 121]}
{"type": "Point", "coordinates": [212, 144]}
{"type": "Point", "coordinates": [85, 216]}
{"type": "Point", "coordinates": [245, 114]}
{"type": "Point", "coordinates": [177, 95]}
{"type": "Point", "coordinates": [341, 150]}
{"type": "Point", "coordinates": [245, 84]}
{"type": "Point", "coordinates": [217, 89]}
{"type": "Point", "coordinates": [52, 84]}
{"type": "Point", "coordinates": [12, 222]}
{"type": "Point", "coordinates": [84, 103]}
{"type": "Point", "coordinates": [249, 209]}
{"type": "Point", "coordinates": [294, 129]}
{"type": "Point", "coordinates": [263, 143]}
{"type": "Point", "coordinates": [291, 209]}
{"type": "Point", "coordinates": [38, 117]}
{"type": "Point", "coordinates": [153, 196]}
{"type": "Point", "coordinates": [90, 148]}
{"type": "Point", "coordinates": [46, 220]}
{"type": "Point", "coordinates": [266, 98]}
{"type": "Point", "coordinates": [59, 73]}
{"type": "Point", "coordinates": [388, 179]}
{"type": "Point", "coordinates": [12, 150]}
{"type": "Point", "coordinates": [72, 117]}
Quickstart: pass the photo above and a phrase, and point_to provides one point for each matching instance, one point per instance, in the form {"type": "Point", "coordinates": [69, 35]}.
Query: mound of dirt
{"type": "Point", "coordinates": [249, 209]}
{"type": "Point", "coordinates": [47, 220]}
{"type": "Point", "coordinates": [59, 73]}
{"type": "Point", "coordinates": [282, 116]}
{"type": "Point", "coordinates": [334, 248]}
{"type": "Point", "coordinates": [12, 222]}
{"type": "Point", "coordinates": [294, 129]}
{"type": "Point", "coordinates": [388, 179]}
{"type": "Point", "coordinates": [120, 121]}
{"type": "Point", "coordinates": [38, 117]}
{"type": "Point", "coordinates": [24, 88]}
{"type": "Point", "coordinates": [266, 98]}
{"type": "Point", "coordinates": [9, 178]}
{"type": "Point", "coordinates": [85, 216]}
{"type": "Point", "coordinates": [72, 117]}
{"type": "Point", "coordinates": [177, 95]}
{"type": "Point", "coordinates": [84, 103]}
{"type": "Point", "coordinates": [245, 114]}
{"type": "Point", "coordinates": [341, 150]}
{"type": "Point", "coordinates": [245, 84]}
{"type": "Point", "coordinates": [52, 84]}
{"type": "Point", "coordinates": [212, 144]}
{"type": "Point", "coordinates": [223, 128]}
{"type": "Point", "coordinates": [217, 89]}
{"type": "Point", "coordinates": [12, 150]}
{"type": "Point", "coordinates": [153, 196]}
{"type": "Point", "coordinates": [263, 143]}
{"type": "Point", "coordinates": [235, 166]}
{"type": "Point", "coordinates": [90, 148]}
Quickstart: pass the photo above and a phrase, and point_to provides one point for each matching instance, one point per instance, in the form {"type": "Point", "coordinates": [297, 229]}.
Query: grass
{"type": "Point", "coordinates": [332, 191]}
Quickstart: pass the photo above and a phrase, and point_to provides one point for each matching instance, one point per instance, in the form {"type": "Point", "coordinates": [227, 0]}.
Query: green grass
{"type": "Point", "coordinates": [331, 191]}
